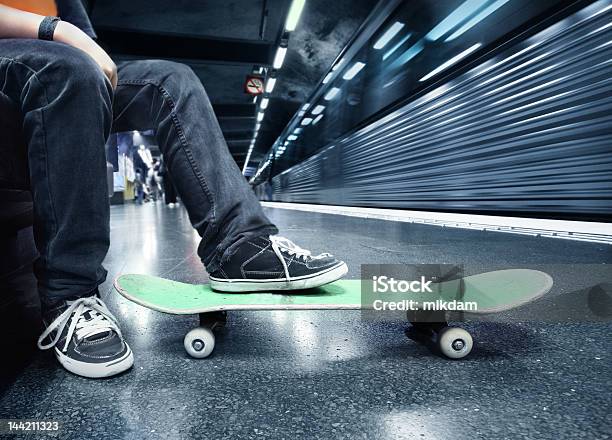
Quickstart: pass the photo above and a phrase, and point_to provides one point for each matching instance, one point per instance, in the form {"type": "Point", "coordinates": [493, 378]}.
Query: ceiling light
{"type": "Point", "coordinates": [327, 78]}
{"type": "Point", "coordinates": [264, 103]}
{"type": "Point", "coordinates": [332, 93]}
{"type": "Point", "coordinates": [260, 116]}
{"type": "Point", "coordinates": [306, 121]}
{"type": "Point", "coordinates": [291, 137]}
{"type": "Point", "coordinates": [318, 109]}
{"type": "Point", "coordinates": [350, 74]}
{"type": "Point", "coordinates": [317, 119]}
{"type": "Point", "coordinates": [279, 58]}
{"type": "Point", "coordinates": [294, 14]}
{"type": "Point", "coordinates": [388, 36]}
{"type": "Point", "coordinates": [270, 85]}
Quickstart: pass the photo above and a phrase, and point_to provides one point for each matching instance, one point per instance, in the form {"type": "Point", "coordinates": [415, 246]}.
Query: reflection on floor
{"type": "Point", "coordinates": [542, 371]}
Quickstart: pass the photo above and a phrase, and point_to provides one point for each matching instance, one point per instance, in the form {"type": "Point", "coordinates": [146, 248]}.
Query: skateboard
{"type": "Point", "coordinates": [493, 292]}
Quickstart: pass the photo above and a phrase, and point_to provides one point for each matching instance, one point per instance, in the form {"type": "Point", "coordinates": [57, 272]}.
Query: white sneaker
{"type": "Point", "coordinates": [86, 340]}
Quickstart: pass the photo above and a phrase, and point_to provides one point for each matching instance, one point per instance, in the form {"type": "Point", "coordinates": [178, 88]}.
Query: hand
{"type": "Point", "coordinates": [73, 36]}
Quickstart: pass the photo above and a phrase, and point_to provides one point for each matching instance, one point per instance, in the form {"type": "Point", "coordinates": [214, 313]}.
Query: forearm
{"type": "Point", "coordinates": [18, 24]}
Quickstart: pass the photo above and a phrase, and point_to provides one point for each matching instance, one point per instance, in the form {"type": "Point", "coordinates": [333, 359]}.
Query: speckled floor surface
{"type": "Point", "coordinates": [542, 371]}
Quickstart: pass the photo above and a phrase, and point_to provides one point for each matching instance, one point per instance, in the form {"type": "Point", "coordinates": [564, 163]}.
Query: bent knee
{"type": "Point", "coordinates": [164, 72]}
{"type": "Point", "coordinates": [76, 67]}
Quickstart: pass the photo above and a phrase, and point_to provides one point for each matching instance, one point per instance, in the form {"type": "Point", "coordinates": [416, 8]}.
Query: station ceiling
{"type": "Point", "coordinates": [224, 41]}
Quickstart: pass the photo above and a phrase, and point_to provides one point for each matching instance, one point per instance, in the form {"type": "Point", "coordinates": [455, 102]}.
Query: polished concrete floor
{"type": "Point", "coordinates": [542, 371]}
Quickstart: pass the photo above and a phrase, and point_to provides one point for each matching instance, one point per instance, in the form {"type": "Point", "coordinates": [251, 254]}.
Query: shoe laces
{"type": "Point", "coordinates": [282, 244]}
{"type": "Point", "coordinates": [90, 317]}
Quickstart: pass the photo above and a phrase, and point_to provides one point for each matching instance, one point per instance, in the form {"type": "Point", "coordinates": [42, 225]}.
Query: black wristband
{"type": "Point", "coordinates": [47, 28]}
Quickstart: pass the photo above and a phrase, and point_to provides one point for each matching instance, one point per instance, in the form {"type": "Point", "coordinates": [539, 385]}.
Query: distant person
{"type": "Point", "coordinates": [153, 181]}
{"type": "Point", "coordinates": [72, 96]}
{"type": "Point", "coordinates": [139, 188]}
{"type": "Point", "coordinates": [169, 191]}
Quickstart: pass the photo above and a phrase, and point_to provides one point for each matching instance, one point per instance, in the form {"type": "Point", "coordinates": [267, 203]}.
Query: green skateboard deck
{"type": "Point", "coordinates": [492, 292]}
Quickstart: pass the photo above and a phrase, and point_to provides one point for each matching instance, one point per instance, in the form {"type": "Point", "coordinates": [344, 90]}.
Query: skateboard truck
{"type": "Point", "coordinates": [428, 326]}
{"type": "Point", "coordinates": [200, 342]}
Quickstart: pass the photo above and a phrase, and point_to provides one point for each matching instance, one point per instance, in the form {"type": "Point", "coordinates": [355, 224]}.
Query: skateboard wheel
{"type": "Point", "coordinates": [199, 342]}
{"type": "Point", "coordinates": [454, 342]}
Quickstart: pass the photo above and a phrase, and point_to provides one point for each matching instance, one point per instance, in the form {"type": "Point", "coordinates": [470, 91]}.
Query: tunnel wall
{"type": "Point", "coordinates": [528, 130]}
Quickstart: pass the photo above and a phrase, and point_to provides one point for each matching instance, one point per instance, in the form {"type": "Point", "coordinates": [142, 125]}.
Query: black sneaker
{"type": "Point", "coordinates": [275, 263]}
{"type": "Point", "coordinates": [87, 339]}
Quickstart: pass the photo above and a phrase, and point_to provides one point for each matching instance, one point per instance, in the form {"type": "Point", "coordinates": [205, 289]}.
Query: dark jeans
{"type": "Point", "coordinates": [68, 110]}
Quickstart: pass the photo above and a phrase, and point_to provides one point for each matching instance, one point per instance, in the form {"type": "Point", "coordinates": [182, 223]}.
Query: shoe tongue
{"type": "Point", "coordinates": [97, 336]}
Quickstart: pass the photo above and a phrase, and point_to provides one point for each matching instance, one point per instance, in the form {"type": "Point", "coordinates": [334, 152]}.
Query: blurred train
{"type": "Point", "coordinates": [490, 106]}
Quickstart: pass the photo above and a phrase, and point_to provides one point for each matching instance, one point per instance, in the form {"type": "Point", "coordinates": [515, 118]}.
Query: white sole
{"type": "Point", "coordinates": [269, 285]}
{"type": "Point", "coordinates": [96, 370]}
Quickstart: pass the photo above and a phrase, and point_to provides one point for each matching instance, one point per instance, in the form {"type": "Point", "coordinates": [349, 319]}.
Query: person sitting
{"type": "Point", "coordinates": [72, 96]}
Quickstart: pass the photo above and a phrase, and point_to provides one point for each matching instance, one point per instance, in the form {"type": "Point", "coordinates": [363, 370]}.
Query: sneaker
{"type": "Point", "coordinates": [87, 339]}
{"type": "Point", "coordinates": [275, 263]}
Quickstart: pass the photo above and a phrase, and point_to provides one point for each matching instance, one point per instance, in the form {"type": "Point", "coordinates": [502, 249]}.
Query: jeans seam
{"type": "Point", "coordinates": [33, 74]}
{"type": "Point", "coordinates": [181, 135]}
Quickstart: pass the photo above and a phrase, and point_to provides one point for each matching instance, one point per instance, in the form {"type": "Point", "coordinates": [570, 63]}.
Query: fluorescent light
{"type": "Point", "coordinates": [332, 93]}
{"type": "Point", "coordinates": [450, 62]}
{"type": "Point", "coordinates": [279, 58]}
{"type": "Point", "coordinates": [270, 85]}
{"type": "Point", "coordinates": [317, 119]}
{"type": "Point", "coordinates": [318, 109]}
{"type": "Point", "coordinates": [338, 64]}
{"type": "Point", "coordinates": [388, 36]}
{"type": "Point", "coordinates": [306, 121]}
{"type": "Point", "coordinates": [327, 78]}
{"type": "Point", "coordinates": [305, 106]}
{"type": "Point", "coordinates": [291, 137]}
{"type": "Point", "coordinates": [478, 18]}
{"type": "Point", "coordinates": [260, 116]}
{"type": "Point", "coordinates": [264, 103]}
{"type": "Point", "coordinates": [455, 18]}
{"type": "Point", "coordinates": [301, 113]}
{"type": "Point", "coordinates": [257, 126]}
{"type": "Point", "coordinates": [350, 74]}
{"type": "Point", "coordinates": [294, 14]}
{"type": "Point", "coordinates": [397, 46]}
{"type": "Point", "coordinates": [298, 130]}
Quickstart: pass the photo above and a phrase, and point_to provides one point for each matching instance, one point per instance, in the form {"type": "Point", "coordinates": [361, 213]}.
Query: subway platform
{"type": "Point", "coordinates": [540, 371]}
